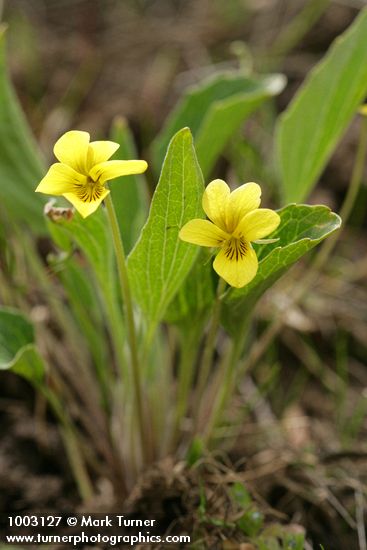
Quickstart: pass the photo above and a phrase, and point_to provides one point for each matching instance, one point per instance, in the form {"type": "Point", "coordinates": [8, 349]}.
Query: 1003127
{"type": "Point", "coordinates": [34, 521]}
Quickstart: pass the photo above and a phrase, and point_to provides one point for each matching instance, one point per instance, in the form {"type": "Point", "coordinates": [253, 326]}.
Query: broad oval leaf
{"type": "Point", "coordinates": [302, 227]}
{"type": "Point", "coordinates": [17, 346]}
{"type": "Point", "coordinates": [315, 120]}
{"type": "Point", "coordinates": [213, 110]}
{"type": "Point", "coordinates": [160, 261]}
{"type": "Point", "coordinates": [20, 163]}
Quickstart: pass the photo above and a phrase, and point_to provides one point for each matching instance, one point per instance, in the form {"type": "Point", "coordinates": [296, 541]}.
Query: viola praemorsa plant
{"type": "Point", "coordinates": [236, 222]}
{"type": "Point", "coordinates": [150, 288]}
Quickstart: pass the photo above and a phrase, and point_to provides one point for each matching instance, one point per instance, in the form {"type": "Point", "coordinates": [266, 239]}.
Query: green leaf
{"type": "Point", "coordinates": [20, 164]}
{"type": "Point", "coordinates": [268, 543]}
{"type": "Point", "coordinates": [293, 541]}
{"type": "Point", "coordinates": [92, 235]}
{"type": "Point", "coordinates": [240, 494]}
{"type": "Point", "coordinates": [214, 110]}
{"type": "Point", "coordinates": [196, 294]}
{"type": "Point", "coordinates": [129, 193]}
{"type": "Point", "coordinates": [17, 346]}
{"type": "Point", "coordinates": [302, 227]}
{"type": "Point", "coordinates": [314, 122]}
{"type": "Point", "coordinates": [93, 238]}
{"type": "Point", "coordinates": [84, 303]}
{"type": "Point", "coordinates": [251, 522]}
{"type": "Point", "coordinates": [194, 454]}
{"type": "Point", "coordinates": [226, 116]}
{"type": "Point", "coordinates": [160, 261]}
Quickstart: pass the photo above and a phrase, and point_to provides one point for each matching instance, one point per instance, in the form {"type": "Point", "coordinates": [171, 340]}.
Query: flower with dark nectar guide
{"type": "Point", "coordinates": [235, 221]}
{"type": "Point", "coordinates": [84, 169]}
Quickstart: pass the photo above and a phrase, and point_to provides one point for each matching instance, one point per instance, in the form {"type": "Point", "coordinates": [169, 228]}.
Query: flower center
{"type": "Point", "coordinates": [90, 191]}
{"type": "Point", "coordinates": [236, 249]}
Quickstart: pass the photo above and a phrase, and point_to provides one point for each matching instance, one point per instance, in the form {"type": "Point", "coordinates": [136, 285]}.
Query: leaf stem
{"type": "Point", "coordinates": [131, 333]}
{"type": "Point", "coordinates": [208, 353]}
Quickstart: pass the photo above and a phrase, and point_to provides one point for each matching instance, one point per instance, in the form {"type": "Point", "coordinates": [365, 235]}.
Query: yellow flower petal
{"type": "Point", "coordinates": [239, 270]}
{"type": "Point", "coordinates": [242, 200]}
{"type": "Point", "coordinates": [214, 202]}
{"type": "Point", "coordinates": [60, 179]}
{"type": "Point", "coordinates": [105, 171]}
{"type": "Point", "coordinates": [100, 151]}
{"type": "Point", "coordinates": [203, 233]}
{"type": "Point", "coordinates": [72, 149]}
{"type": "Point", "coordinates": [258, 224]}
{"type": "Point", "coordinates": [85, 208]}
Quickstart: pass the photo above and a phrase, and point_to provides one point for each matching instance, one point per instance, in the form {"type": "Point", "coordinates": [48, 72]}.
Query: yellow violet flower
{"type": "Point", "coordinates": [236, 221]}
{"type": "Point", "coordinates": [84, 169]}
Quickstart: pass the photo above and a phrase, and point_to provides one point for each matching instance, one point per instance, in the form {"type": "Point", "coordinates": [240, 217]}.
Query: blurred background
{"type": "Point", "coordinates": [81, 63]}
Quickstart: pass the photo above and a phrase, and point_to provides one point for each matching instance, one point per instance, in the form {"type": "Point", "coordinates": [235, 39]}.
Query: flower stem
{"type": "Point", "coordinates": [225, 384]}
{"type": "Point", "coordinates": [131, 333]}
{"type": "Point", "coordinates": [208, 351]}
